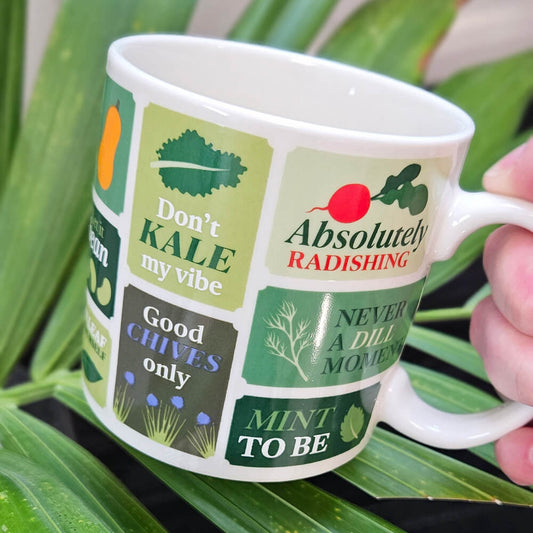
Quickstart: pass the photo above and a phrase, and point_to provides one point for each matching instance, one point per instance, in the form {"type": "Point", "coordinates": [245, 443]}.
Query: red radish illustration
{"type": "Point", "coordinates": [351, 202]}
{"type": "Point", "coordinates": [348, 204]}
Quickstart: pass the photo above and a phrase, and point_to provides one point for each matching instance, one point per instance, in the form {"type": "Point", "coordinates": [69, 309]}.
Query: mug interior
{"type": "Point", "coordinates": [294, 86]}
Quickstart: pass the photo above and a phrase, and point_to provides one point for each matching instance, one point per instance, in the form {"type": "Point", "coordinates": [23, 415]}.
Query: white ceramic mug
{"type": "Point", "coordinates": [263, 225]}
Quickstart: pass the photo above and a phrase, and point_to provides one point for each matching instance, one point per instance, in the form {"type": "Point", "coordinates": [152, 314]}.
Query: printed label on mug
{"type": "Point", "coordinates": [104, 243]}
{"type": "Point", "coordinates": [172, 373]}
{"type": "Point", "coordinates": [114, 148]}
{"type": "Point", "coordinates": [343, 218]}
{"type": "Point", "coordinates": [198, 197]}
{"type": "Point", "coordinates": [314, 339]}
{"type": "Point", "coordinates": [95, 357]}
{"type": "Point", "coordinates": [271, 432]}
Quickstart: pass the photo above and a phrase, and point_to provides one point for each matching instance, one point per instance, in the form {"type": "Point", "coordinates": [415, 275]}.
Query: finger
{"type": "Point", "coordinates": [513, 175]}
{"type": "Point", "coordinates": [507, 353]}
{"type": "Point", "coordinates": [508, 263]}
{"type": "Point", "coordinates": [514, 452]}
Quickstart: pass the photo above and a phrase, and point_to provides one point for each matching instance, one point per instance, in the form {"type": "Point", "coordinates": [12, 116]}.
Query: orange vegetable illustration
{"type": "Point", "coordinates": [108, 146]}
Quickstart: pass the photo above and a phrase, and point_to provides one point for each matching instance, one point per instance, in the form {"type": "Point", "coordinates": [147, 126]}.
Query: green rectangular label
{"type": "Point", "coordinates": [315, 339]}
{"type": "Point", "coordinates": [269, 432]}
{"type": "Point", "coordinates": [198, 197]}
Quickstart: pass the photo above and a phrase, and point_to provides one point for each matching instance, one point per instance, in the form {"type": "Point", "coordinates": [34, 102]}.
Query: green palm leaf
{"type": "Point", "coordinates": [394, 37]}
{"type": "Point", "coordinates": [53, 474]}
{"type": "Point", "coordinates": [391, 466]}
{"type": "Point", "coordinates": [12, 19]}
{"type": "Point", "coordinates": [290, 24]}
{"type": "Point", "coordinates": [55, 157]}
{"type": "Point", "coordinates": [60, 344]}
{"type": "Point", "coordinates": [447, 348]}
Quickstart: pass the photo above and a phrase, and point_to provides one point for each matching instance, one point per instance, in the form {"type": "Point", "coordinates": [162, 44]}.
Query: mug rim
{"type": "Point", "coordinates": [152, 84]}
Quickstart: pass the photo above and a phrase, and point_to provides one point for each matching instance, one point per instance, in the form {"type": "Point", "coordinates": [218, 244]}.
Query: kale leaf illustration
{"type": "Point", "coordinates": [401, 189]}
{"type": "Point", "coordinates": [192, 166]}
{"type": "Point", "coordinates": [352, 424]}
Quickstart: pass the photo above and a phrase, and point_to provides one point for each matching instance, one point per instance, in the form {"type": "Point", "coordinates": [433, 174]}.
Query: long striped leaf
{"type": "Point", "coordinates": [46, 201]}
{"type": "Point", "coordinates": [453, 313]}
{"type": "Point", "coordinates": [63, 484]}
{"type": "Point", "coordinates": [256, 20]}
{"type": "Point", "coordinates": [298, 24]}
{"type": "Point", "coordinates": [60, 344]}
{"type": "Point", "coordinates": [30, 495]}
{"type": "Point", "coordinates": [447, 348]}
{"type": "Point", "coordinates": [246, 507]}
{"type": "Point", "coordinates": [323, 506]}
{"type": "Point", "coordinates": [12, 19]}
{"type": "Point", "coordinates": [289, 24]}
{"type": "Point", "coordinates": [479, 295]}
{"type": "Point", "coordinates": [394, 37]}
{"type": "Point", "coordinates": [392, 466]}
{"type": "Point", "coordinates": [496, 96]}
{"type": "Point", "coordinates": [449, 394]}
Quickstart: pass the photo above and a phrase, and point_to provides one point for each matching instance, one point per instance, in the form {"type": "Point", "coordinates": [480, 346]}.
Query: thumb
{"type": "Point", "coordinates": [513, 174]}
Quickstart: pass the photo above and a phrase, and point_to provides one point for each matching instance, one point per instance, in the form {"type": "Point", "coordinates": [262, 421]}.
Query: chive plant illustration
{"type": "Point", "coordinates": [122, 404]}
{"type": "Point", "coordinates": [351, 202]}
{"type": "Point", "coordinates": [203, 437]}
{"type": "Point", "coordinates": [293, 339]}
{"type": "Point", "coordinates": [192, 166]}
{"type": "Point", "coordinates": [162, 423]}
{"type": "Point", "coordinates": [352, 424]}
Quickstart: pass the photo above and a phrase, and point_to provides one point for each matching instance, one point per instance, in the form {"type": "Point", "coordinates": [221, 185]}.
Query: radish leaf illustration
{"type": "Point", "coordinates": [399, 188]}
{"type": "Point", "coordinates": [352, 424]}
{"type": "Point", "coordinates": [192, 166]}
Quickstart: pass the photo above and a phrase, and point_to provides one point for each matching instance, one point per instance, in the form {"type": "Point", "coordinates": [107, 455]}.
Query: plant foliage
{"type": "Point", "coordinates": [46, 167]}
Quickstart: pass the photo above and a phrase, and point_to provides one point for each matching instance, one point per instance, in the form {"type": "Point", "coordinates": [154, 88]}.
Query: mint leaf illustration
{"type": "Point", "coordinates": [192, 166]}
{"type": "Point", "coordinates": [91, 373]}
{"type": "Point", "coordinates": [352, 424]}
{"type": "Point", "coordinates": [399, 188]}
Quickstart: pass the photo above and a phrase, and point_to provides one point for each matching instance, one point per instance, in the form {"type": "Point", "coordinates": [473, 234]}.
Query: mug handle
{"type": "Point", "coordinates": [402, 408]}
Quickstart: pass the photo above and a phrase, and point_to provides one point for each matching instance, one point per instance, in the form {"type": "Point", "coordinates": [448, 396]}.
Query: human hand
{"type": "Point", "coordinates": [502, 325]}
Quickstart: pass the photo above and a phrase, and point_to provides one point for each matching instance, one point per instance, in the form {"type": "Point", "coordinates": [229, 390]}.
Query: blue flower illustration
{"type": "Point", "coordinates": [129, 377]}
{"type": "Point", "coordinates": [202, 419]}
{"type": "Point", "coordinates": [177, 402]}
{"type": "Point", "coordinates": [152, 400]}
